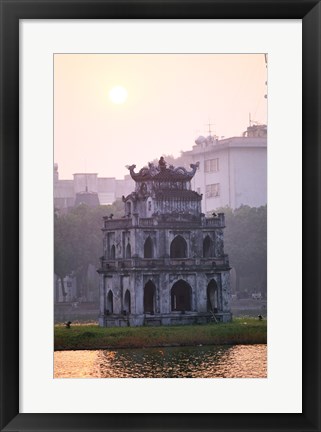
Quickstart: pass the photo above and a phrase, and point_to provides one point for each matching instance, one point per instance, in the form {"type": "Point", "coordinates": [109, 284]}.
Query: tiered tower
{"type": "Point", "coordinates": [163, 261]}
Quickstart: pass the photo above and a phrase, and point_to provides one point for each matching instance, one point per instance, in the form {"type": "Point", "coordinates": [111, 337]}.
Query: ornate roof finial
{"type": "Point", "coordinates": [162, 164]}
{"type": "Point", "coordinates": [161, 173]}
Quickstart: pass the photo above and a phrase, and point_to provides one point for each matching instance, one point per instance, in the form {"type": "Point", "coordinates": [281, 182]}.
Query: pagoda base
{"type": "Point", "coordinates": [173, 318]}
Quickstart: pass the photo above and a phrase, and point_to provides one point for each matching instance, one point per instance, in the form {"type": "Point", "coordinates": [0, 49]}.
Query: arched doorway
{"type": "Point", "coordinates": [113, 252]}
{"type": "Point", "coordinates": [128, 251]}
{"type": "Point", "coordinates": [207, 247]}
{"type": "Point", "coordinates": [127, 305]}
{"type": "Point", "coordinates": [181, 296]}
{"type": "Point", "coordinates": [148, 248]}
{"type": "Point", "coordinates": [110, 302]}
{"type": "Point", "coordinates": [212, 296]}
{"type": "Point", "coordinates": [178, 247]}
{"type": "Point", "coordinates": [149, 297]}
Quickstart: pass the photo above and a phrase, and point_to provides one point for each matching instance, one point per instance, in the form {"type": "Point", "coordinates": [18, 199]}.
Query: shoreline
{"type": "Point", "coordinates": [103, 348]}
{"type": "Point", "coordinates": [241, 331]}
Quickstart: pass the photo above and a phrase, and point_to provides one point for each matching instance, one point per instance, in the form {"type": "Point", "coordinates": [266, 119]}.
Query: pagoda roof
{"type": "Point", "coordinates": [161, 173]}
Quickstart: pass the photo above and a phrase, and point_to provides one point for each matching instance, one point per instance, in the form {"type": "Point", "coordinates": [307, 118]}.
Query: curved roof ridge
{"type": "Point", "coordinates": [162, 173]}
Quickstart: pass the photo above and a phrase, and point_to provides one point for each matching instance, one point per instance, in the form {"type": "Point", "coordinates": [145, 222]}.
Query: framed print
{"type": "Point", "coordinates": [50, 55]}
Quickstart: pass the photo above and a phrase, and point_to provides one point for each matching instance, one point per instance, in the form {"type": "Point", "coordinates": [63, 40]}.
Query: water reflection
{"type": "Point", "coordinates": [237, 361]}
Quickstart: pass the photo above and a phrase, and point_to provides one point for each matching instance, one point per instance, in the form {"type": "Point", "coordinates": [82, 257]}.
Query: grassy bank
{"type": "Point", "coordinates": [240, 331]}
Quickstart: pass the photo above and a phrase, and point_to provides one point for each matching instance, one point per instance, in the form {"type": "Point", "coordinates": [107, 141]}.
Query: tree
{"type": "Point", "coordinates": [246, 244]}
{"type": "Point", "coordinates": [63, 262]}
{"type": "Point", "coordinates": [78, 241]}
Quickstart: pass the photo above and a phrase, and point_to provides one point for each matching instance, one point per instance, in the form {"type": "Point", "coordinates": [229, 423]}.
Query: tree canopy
{"type": "Point", "coordinates": [78, 239]}
{"type": "Point", "coordinates": [245, 241]}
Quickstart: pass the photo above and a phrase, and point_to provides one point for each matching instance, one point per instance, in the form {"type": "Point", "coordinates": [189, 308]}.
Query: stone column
{"type": "Point", "coordinates": [102, 294]}
{"type": "Point", "coordinates": [219, 243]}
{"type": "Point", "coordinates": [226, 291]}
{"type": "Point", "coordinates": [118, 294]}
{"type": "Point", "coordinates": [164, 293]}
{"type": "Point", "coordinates": [133, 242]}
{"type": "Point", "coordinates": [132, 291]}
{"type": "Point", "coordinates": [139, 293]}
{"type": "Point", "coordinates": [201, 292]}
{"type": "Point", "coordinates": [199, 244]}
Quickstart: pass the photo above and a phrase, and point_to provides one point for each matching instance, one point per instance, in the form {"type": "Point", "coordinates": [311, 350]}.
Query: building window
{"type": "Point", "coordinates": [212, 297]}
{"type": "Point", "coordinates": [127, 303]}
{"type": "Point", "coordinates": [110, 303]}
{"type": "Point", "coordinates": [113, 252]}
{"type": "Point", "coordinates": [211, 165]}
{"type": "Point", "coordinates": [178, 248]}
{"type": "Point", "coordinates": [207, 247]}
{"type": "Point", "coordinates": [128, 251]}
{"type": "Point", "coordinates": [181, 296]}
{"type": "Point", "coordinates": [148, 248]}
{"type": "Point", "coordinates": [149, 297]}
{"type": "Point", "coordinates": [213, 190]}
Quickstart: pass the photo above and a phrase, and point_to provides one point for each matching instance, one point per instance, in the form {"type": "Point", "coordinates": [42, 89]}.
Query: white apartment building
{"type": "Point", "coordinates": [232, 171]}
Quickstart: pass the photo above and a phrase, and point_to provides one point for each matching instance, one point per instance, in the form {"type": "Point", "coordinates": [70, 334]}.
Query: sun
{"type": "Point", "coordinates": [118, 95]}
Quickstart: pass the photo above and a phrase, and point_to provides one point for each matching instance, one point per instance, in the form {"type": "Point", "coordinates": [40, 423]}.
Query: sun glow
{"type": "Point", "coordinates": [118, 95]}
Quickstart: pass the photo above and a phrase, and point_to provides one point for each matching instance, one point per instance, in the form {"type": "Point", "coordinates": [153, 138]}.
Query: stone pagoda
{"type": "Point", "coordinates": [163, 261]}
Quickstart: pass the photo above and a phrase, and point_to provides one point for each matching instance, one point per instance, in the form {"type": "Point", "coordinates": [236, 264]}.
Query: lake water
{"type": "Point", "coordinates": [226, 361]}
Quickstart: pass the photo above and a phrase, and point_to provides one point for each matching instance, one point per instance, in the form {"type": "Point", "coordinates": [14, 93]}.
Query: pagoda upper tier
{"type": "Point", "coordinates": [162, 175]}
{"type": "Point", "coordinates": [162, 190]}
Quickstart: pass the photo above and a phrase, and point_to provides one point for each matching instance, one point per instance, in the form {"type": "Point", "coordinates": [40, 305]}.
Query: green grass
{"type": "Point", "coordinates": [90, 336]}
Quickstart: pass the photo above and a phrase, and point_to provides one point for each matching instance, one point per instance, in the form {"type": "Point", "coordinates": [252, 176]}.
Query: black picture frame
{"type": "Point", "coordinates": [14, 10]}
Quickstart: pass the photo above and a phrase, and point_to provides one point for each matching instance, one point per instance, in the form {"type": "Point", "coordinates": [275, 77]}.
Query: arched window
{"type": "Point", "coordinates": [149, 297]}
{"type": "Point", "coordinates": [212, 296]}
{"type": "Point", "coordinates": [178, 248]}
{"type": "Point", "coordinates": [207, 247]}
{"type": "Point", "coordinates": [148, 248]}
{"type": "Point", "coordinates": [181, 296]}
{"type": "Point", "coordinates": [127, 305]}
{"type": "Point", "coordinates": [113, 252]}
{"type": "Point", "coordinates": [110, 302]}
{"type": "Point", "coordinates": [128, 251]}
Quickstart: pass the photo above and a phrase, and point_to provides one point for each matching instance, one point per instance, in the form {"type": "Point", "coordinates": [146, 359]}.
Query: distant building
{"type": "Point", "coordinates": [88, 188]}
{"type": "Point", "coordinates": [90, 199]}
{"type": "Point", "coordinates": [232, 171]}
{"type": "Point", "coordinates": [64, 194]}
{"type": "Point", "coordinates": [163, 262]}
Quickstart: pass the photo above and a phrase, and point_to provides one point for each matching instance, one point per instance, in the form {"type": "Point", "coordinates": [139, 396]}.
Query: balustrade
{"type": "Point", "coordinates": [136, 262]}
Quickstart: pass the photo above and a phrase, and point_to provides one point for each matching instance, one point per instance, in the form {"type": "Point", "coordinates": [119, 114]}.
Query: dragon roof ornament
{"type": "Point", "coordinates": [162, 173]}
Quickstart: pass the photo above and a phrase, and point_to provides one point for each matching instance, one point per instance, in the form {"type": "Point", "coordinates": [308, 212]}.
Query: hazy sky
{"type": "Point", "coordinates": [171, 98]}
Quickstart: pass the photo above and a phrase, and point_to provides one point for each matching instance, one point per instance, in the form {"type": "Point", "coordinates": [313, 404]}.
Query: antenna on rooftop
{"type": "Point", "coordinates": [252, 122]}
{"type": "Point", "coordinates": [209, 124]}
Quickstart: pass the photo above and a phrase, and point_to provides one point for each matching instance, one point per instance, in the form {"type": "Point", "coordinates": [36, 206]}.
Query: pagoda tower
{"type": "Point", "coordinates": [163, 261]}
